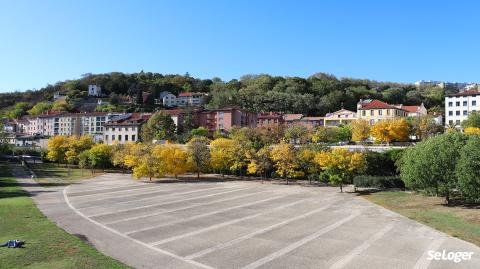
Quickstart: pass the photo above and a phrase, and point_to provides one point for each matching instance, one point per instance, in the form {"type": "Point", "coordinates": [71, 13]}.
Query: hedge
{"type": "Point", "coordinates": [381, 182]}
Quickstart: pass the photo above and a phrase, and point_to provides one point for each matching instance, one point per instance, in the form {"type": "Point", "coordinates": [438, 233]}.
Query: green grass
{"type": "Point", "coordinates": [459, 221]}
{"type": "Point", "coordinates": [50, 174]}
{"type": "Point", "coordinates": [47, 246]}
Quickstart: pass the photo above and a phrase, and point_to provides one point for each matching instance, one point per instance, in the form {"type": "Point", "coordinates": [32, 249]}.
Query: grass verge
{"type": "Point", "coordinates": [50, 174]}
{"type": "Point", "coordinates": [458, 221]}
{"type": "Point", "coordinates": [47, 246]}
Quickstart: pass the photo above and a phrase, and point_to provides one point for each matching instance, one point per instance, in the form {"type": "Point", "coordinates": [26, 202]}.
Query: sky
{"type": "Point", "coordinates": [47, 41]}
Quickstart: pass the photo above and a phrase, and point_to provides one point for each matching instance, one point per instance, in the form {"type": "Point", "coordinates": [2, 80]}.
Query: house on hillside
{"type": "Point", "coordinates": [125, 128]}
{"type": "Point", "coordinates": [292, 119]}
{"type": "Point", "coordinates": [311, 122]}
{"type": "Point", "coordinates": [339, 117]}
{"type": "Point", "coordinates": [190, 99]}
{"type": "Point", "coordinates": [94, 90]}
{"type": "Point", "coordinates": [270, 119]}
{"type": "Point", "coordinates": [375, 110]}
{"type": "Point", "coordinates": [167, 99]}
{"type": "Point", "coordinates": [414, 111]}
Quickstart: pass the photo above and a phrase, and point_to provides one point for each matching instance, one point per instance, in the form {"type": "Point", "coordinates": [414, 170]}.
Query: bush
{"type": "Point", "coordinates": [381, 182]}
{"type": "Point", "coordinates": [379, 164]}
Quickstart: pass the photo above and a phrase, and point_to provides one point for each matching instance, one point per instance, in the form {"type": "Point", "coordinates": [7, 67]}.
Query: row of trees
{"type": "Point", "coordinates": [446, 165]}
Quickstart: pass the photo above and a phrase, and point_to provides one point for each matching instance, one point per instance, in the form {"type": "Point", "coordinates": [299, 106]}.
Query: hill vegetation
{"type": "Point", "coordinates": [316, 95]}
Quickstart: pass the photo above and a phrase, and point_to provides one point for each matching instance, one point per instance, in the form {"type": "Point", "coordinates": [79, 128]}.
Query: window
{"type": "Point", "coordinates": [457, 103]}
{"type": "Point", "coordinates": [465, 103]}
{"type": "Point", "coordinates": [220, 119]}
{"type": "Point", "coordinates": [133, 138]}
{"type": "Point", "coordinates": [457, 122]}
{"type": "Point", "coordinates": [388, 112]}
{"type": "Point", "coordinates": [450, 113]}
{"type": "Point", "coordinates": [363, 112]}
{"type": "Point", "coordinates": [220, 126]}
{"type": "Point", "coordinates": [106, 137]}
{"type": "Point", "coordinates": [465, 113]}
{"type": "Point", "coordinates": [371, 112]}
{"type": "Point", "coordinates": [113, 137]}
{"type": "Point", "coordinates": [474, 103]}
{"type": "Point", "coordinates": [126, 137]}
{"type": "Point", "coordinates": [380, 112]}
{"type": "Point", "coordinates": [450, 122]}
{"type": "Point", "coordinates": [457, 113]}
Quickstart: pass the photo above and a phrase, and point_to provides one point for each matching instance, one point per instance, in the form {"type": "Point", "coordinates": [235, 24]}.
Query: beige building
{"type": "Point", "coordinates": [375, 110]}
{"type": "Point", "coordinates": [124, 129]}
{"type": "Point", "coordinates": [340, 117]}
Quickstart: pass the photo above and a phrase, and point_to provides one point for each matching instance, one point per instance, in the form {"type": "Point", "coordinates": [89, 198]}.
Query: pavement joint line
{"type": "Point", "coordinates": [253, 234]}
{"type": "Point", "coordinates": [110, 192]}
{"type": "Point", "coordinates": [226, 223]}
{"type": "Point", "coordinates": [299, 243]}
{"type": "Point", "coordinates": [205, 214]}
{"type": "Point", "coordinates": [164, 202]}
{"type": "Point", "coordinates": [186, 207]}
{"type": "Point", "coordinates": [423, 262]}
{"type": "Point", "coordinates": [356, 252]}
{"type": "Point", "coordinates": [161, 251]}
{"type": "Point", "coordinates": [148, 198]}
{"type": "Point", "coordinates": [101, 189]}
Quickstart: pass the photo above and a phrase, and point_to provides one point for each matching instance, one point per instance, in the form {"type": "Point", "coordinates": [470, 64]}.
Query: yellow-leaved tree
{"type": "Point", "coordinates": [143, 161]}
{"type": "Point", "coordinates": [341, 165]}
{"type": "Point", "coordinates": [260, 162]}
{"type": "Point", "coordinates": [174, 159]}
{"type": "Point", "coordinates": [390, 130]}
{"type": "Point", "coordinates": [285, 160]}
{"type": "Point", "coordinates": [472, 130]}
{"type": "Point", "coordinates": [77, 145]}
{"type": "Point", "coordinates": [306, 159]}
{"type": "Point", "coordinates": [222, 152]}
{"type": "Point", "coordinates": [360, 130]}
{"type": "Point", "coordinates": [57, 147]}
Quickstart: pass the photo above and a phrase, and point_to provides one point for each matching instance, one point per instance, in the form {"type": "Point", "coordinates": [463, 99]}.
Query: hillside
{"type": "Point", "coordinates": [316, 95]}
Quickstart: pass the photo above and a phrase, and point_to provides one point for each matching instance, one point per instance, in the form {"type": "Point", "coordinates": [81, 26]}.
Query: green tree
{"type": "Point", "coordinates": [343, 133]}
{"type": "Point", "coordinates": [468, 170]}
{"type": "Point", "coordinates": [19, 110]}
{"type": "Point", "coordinates": [431, 164]}
{"type": "Point", "coordinates": [198, 155]}
{"type": "Point", "coordinates": [100, 156]}
{"type": "Point", "coordinates": [200, 131]}
{"type": "Point", "coordinates": [297, 134]}
{"type": "Point", "coordinates": [39, 108]}
{"type": "Point", "coordinates": [159, 126]}
{"type": "Point", "coordinates": [473, 120]}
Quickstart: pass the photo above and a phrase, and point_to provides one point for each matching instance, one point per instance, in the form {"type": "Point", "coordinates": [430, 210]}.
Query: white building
{"type": "Point", "coordinates": [414, 111]}
{"type": "Point", "coordinates": [124, 129]}
{"type": "Point", "coordinates": [94, 90]}
{"type": "Point", "coordinates": [459, 105]}
{"type": "Point", "coordinates": [167, 99]}
{"type": "Point", "coordinates": [190, 99]}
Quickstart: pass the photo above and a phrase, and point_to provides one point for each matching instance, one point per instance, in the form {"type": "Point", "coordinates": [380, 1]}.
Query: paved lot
{"type": "Point", "coordinates": [244, 225]}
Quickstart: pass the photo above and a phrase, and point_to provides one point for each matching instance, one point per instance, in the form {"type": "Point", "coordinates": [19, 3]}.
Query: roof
{"type": "Point", "coordinates": [292, 117]}
{"type": "Point", "coordinates": [172, 112]}
{"type": "Point", "coordinates": [465, 93]}
{"type": "Point", "coordinates": [130, 119]}
{"type": "Point", "coordinates": [341, 111]}
{"type": "Point", "coordinates": [187, 94]}
{"type": "Point", "coordinates": [412, 109]}
{"type": "Point", "coordinates": [269, 115]}
{"type": "Point", "coordinates": [376, 104]}
{"type": "Point", "coordinates": [312, 118]}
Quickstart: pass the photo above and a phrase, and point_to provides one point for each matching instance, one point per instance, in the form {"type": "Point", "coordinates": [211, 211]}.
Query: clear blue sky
{"type": "Point", "coordinates": [47, 41]}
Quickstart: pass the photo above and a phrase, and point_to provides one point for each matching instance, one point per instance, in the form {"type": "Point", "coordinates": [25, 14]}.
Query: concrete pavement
{"type": "Point", "coordinates": [242, 225]}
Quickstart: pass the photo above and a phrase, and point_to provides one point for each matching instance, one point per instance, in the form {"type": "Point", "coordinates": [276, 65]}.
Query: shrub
{"type": "Point", "coordinates": [381, 182]}
{"type": "Point", "coordinates": [379, 164]}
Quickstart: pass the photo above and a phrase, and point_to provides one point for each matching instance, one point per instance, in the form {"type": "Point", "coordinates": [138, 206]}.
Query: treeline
{"type": "Point", "coordinates": [316, 95]}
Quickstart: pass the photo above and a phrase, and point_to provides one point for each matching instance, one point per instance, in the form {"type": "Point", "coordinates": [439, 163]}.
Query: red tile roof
{"type": "Point", "coordinates": [376, 104]}
{"type": "Point", "coordinates": [172, 112]}
{"type": "Point", "coordinates": [411, 109]}
{"type": "Point", "coordinates": [291, 117]}
{"type": "Point", "coordinates": [465, 93]}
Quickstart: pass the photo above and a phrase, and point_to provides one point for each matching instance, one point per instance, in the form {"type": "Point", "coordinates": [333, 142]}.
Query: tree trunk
{"type": "Point", "coordinates": [150, 177]}
{"type": "Point", "coordinates": [341, 187]}
{"type": "Point", "coordinates": [447, 198]}
{"type": "Point", "coordinates": [198, 175]}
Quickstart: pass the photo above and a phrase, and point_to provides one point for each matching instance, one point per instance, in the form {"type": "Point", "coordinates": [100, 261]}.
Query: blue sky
{"type": "Point", "coordinates": [48, 41]}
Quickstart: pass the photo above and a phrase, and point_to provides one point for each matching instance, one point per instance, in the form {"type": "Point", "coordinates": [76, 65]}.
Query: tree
{"type": "Point", "coordinates": [160, 126]}
{"type": "Point", "coordinates": [39, 108]}
{"type": "Point", "coordinates": [343, 133]}
{"type": "Point", "coordinates": [297, 134]}
{"type": "Point", "coordinates": [324, 134]}
{"type": "Point", "coordinates": [100, 156]}
{"type": "Point", "coordinates": [341, 165]}
{"type": "Point", "coordinates": [473, 120]}
{"type": "Point", "coordinates": [119, 153]}
{"type": "Point", "coordinates": [424, 126]}
{"type": "Point", "coordinates": [360, 130]}
{"type": "Point", "coordinates": [286, 163]}
{"type": "Point", "coordinates": [390, 130]}
{"type": "Point", "coordinates": [306, 159]}
{"type": "Point", "coordinates": [260, 162]}
{"type": "Point", "coordinates": [468, 170]}
{"type": "Point", "coordinates": [57, 147]}
{"type": "Point", "coordinates": [19, 110]}
{"type": "Point", "coordinates": [61, 106]}
{"type": "Point", "coordinates": [141, 159]}
{"type": "Point", "coordinates": [222, 153]}
{"type": "Point", "coordinates": [431, 164]}
{"type": "Point", "coordinates": [198, 155]}
{"type": "Point", "coordinates": [77, 146]}
{"type": "Point", "coordinates": [200, 131]}
{"type": "Point", "coordinates": [174, 159]}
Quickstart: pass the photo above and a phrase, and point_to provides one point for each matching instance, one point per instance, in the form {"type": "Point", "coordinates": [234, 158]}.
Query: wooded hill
{"type": "Point", "coordinates": [316, 95]}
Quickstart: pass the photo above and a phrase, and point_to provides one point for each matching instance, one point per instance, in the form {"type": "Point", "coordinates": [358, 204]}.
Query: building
{"type": "Point", "coordinates": [124, 129]}
{"type": "Point", "coordinates": [167, 99]}
{"type": "Point", "coordinates": [311, 122]}
{"type": "Point", "coordinates": [190, 99]}
{"type": "Point", "coordinates": [414, 111]}
{"type": "Point", "coordinates": [292, 119]}
{"type": "Point", "coordinates": [340, 117]}
{"type": "Point", "coordinates": [94, 90]}
{"type": "Point", "coordinates": [225, 119]}
{"type": "Point", "coordinates": [269, 119]}
{"type": "Point", "coordinates": [177, 116]}
{"type": "Point", "coordinates": [429, 83]}
{"type": "Point", "coordinates": [459, 105]}
{"type": "Point", "coordinates": [376, 110]}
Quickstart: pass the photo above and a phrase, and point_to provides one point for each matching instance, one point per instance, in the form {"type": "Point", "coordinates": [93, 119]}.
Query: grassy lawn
{"type": "Point", "coordinates": [47, 245]}
{"type": "Point", "coordinates": [459, 221]}
{"type": "Point", "coordinates": [50, 174]}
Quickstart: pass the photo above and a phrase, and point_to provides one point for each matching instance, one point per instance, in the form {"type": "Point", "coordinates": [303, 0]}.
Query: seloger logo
{"type": "Point", "coordinates": [449, 256]}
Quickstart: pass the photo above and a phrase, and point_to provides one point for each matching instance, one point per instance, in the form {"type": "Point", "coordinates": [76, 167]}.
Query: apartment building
{"type": "Point", "coordinates": [292, 119]}
{"type": "Point", "coordinates": [167, 99]}
{"type": "Point", "coordinates": [459, 105]}
{"type": "Point", "coordinates": [226, 118]}
{"type": "Point", "coordinates": [340, 117]}
{"type": "Point", "coordinates": [190, 99]}
{"type": "Point", "coordinates": [311, 122]}
{"type": "Point", "coordinates": [269, 119]}
{"type": "Point", "coordinates": [125, 128]}
{"type": "Point", "coordinates": [414, 111]}
{"type": "Point", "coordinates": [376, 110]}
